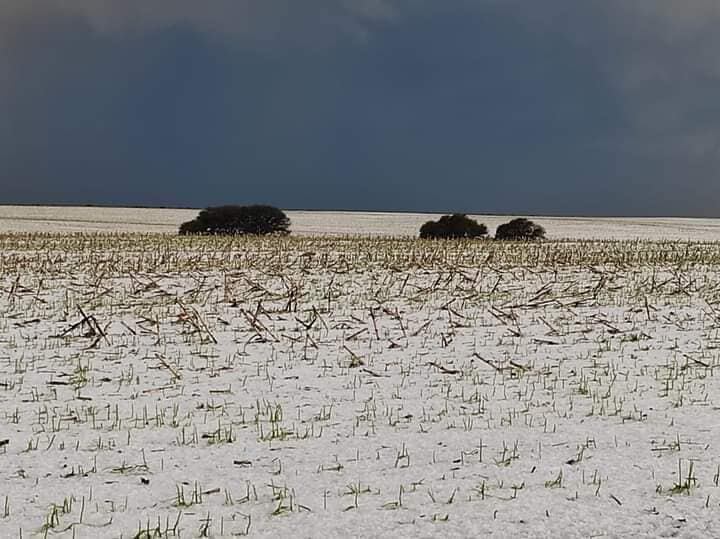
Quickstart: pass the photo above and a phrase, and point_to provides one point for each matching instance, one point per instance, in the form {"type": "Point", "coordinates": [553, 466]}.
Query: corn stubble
{"type": "Point", "coordinates": [158, 386]}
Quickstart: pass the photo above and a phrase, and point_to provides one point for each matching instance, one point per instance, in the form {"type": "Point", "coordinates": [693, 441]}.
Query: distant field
{"type": "Point", "coordinates": [165, 386]}
{"type": "Point", "coordinates": [88, 219]}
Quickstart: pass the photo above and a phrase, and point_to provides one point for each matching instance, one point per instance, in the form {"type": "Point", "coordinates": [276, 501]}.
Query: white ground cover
{"type": "Point", "coordinates": [154, 386]}
{"type": "Point", "coordinates": [69, 219]}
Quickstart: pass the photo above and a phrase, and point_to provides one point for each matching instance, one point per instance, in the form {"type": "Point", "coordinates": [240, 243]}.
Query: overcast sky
{"type": "Point", "coordinates": [605, 107]}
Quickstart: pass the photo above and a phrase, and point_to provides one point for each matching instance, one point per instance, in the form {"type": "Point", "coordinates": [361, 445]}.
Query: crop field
{"type": "Point", "coordinates": [84, 219]}
{"type": "Point", "coordinates": [162, 386]}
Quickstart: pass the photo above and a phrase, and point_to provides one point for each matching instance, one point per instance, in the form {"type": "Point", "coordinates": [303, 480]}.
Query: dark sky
{"type": "Point", "coordinates": [604, 107]}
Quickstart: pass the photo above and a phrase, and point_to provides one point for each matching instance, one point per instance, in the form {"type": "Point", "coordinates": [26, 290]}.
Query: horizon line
{"type": "Point", "coordinates": [345, 210]}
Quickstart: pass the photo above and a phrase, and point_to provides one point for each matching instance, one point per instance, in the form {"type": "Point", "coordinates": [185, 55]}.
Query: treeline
{"type": "Point", "coordinates": [459, 225]}
{"type": "Point", "coordinates": [261, 220]}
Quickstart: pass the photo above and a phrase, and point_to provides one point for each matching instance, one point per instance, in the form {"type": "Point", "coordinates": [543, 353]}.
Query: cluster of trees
{"type": "Point", "coordinates": [260, 220]}
{"type": "Point", "coordinates": [459, 225]}
{"type": "Point", "coordinates": [456, 225]}
{"type": "Point", "coordinates": [226, 220]}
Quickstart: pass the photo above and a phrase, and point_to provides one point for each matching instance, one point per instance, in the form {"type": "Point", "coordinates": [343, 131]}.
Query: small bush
{"type": "Point", "coordinates": [233, 220]}
{"type": "Point", "coordinates": [519, 229]}
{"type": "Point", "coordinates": [457, 225]}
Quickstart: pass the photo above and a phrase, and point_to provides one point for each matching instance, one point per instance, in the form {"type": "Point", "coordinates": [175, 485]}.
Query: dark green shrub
{"type": "Point", "coordinates": [232, 220]}
{"type": "Point", "coordinates": [457, 225]}
{"type": "Point", "coordinates": [519, 229]}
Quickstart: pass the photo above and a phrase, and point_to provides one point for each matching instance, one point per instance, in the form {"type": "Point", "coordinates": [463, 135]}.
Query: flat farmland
{"type": "Point", "coordinates": [86, 219]}
{"type": "Point", "coordinates": [162, 386]}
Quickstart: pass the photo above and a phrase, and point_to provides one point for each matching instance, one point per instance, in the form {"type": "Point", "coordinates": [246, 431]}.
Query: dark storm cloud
{"type": "Point", "coordinates": [559, 106]}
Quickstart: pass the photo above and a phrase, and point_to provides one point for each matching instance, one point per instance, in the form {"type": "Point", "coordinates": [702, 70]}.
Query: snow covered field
{"type": "Point", "coordinates": [92, 219]}
{"type": "Point", "coordinates": [158, 386]}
